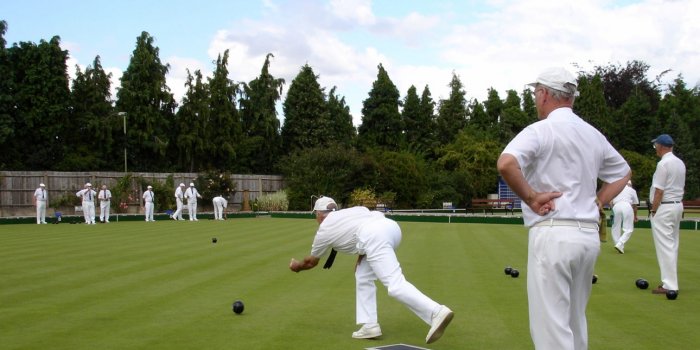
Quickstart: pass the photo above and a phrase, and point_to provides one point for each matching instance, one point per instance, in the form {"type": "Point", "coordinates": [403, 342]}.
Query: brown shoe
{"type": "Point", "coordinates": [659, 290]}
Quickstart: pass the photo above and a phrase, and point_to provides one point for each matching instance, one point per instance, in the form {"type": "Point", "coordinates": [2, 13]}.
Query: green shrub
{"type": "Point", "coordinates": [363, 197]}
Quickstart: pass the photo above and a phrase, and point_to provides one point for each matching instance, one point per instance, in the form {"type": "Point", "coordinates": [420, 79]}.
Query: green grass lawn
{"type": "Point", "coordinates": [165, 285]}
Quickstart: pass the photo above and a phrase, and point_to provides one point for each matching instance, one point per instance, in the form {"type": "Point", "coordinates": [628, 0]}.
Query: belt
{"type": "Point", "coordinates": [568, 223]}
{"type": "Point", "coordinates": [671, 202]}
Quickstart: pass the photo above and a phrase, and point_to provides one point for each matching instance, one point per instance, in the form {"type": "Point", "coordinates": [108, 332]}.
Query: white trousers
{"type": "Point", "coordinates": [89, 212]}
{"type": "Point", "coordinates": [148, 209]}
{"type": "Point", "coordinates": [40, 212]}
{"type": "Point", "coordinates": [378, 240]}
{"type": "Point", "coordinates": [104, 211]}
{"type": "Point", "coordinates": [623, 223]}
{"type": "Point", "coordinates": [178, 213]}
{"type": "Point", "coordinates": [560, 265]}
{"type": "Point", "coordinates": [192, 208]}
{"type": "Point", "coordinates": [665, 227]}
{"type": "Point", "coordinates": [218, 211]}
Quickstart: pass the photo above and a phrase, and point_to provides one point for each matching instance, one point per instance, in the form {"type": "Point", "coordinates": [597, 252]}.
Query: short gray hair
{"type": "Point", "coordinates": [562, 95]}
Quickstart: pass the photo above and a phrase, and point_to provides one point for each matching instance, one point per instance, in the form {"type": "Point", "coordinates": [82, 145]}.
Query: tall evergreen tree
{"type": "Point", "coordinates": [6, 98]}
{"type": "Point", "coordinates": [381, 120]}
{"type": "Point", "coordinates": [411, 117]}
{"type": "Point", "coordinates": [188, 133]}
{"type": "Point", "coordinates": [343, 130]}
{"type": "Point", "coordinates": [494, 108]}
{"type": "Point", "coordinates": [529, 105]}
{"type": "Point", "coordinates": [591, 106]}
{"type": "Point", "coordinates": [307, 121]}
{"type": "Point", "coordinates": [513, 118]}
{"type": "Point", "coordinates": [452, 113]}
{"type": "Point", "coordinates": [90, 145]}
{"type": "Point", "coordinates": [261, 129]}
{"type": "Point", "coordinates": [223, 130]}
{"type": "Point", "coordinates": [426, 117]}
{"type": "Point", "coordinates": [41, 100]}
{"type": "Point", "coordinates": [149, 106]}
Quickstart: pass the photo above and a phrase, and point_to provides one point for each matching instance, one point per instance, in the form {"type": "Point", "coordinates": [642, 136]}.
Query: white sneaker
{"type": "Point", "coordinates": [438, 324]}
{"type": "Point", "coordinates": [368, 331]}
{"type": "Point", "coordinates": [620, 248]}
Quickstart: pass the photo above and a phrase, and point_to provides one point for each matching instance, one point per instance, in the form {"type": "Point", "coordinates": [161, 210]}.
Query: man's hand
{"type": "Point", "coordinates": [542, 203]}
{"type": "Point", "coordinates": [294, 265]}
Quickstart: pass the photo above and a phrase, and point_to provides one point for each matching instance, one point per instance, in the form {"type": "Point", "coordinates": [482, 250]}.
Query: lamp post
{"type": "Point", "coordinates": [123, 114]}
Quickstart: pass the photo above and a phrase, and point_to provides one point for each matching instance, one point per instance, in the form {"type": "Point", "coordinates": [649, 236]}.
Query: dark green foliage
{"type": "Point", "coordinates": [40, 105]}
{"type": "Point", "coordinates": [188, 139]}
{"type": "Point", "coordinates": [402, 173]}
{"type": "Point", "coordinates": [223, 128]}
{"type": "Point", "coordinates": [149, 106]}
{"type": "Point", "coordinates": [452, 112]}
{"type": "Point", "coordinates": [342, 130]}
{"type": "Point", "coordinates": [93, 145]}
{"type": "Point", "coordinates": [307, 122]}
{"type": "Point", "coordinates": [382, 126]}
{"type": "Point", "coordinates": [331, 171]}
{"type": "Point", "coordinates": [260, 147]}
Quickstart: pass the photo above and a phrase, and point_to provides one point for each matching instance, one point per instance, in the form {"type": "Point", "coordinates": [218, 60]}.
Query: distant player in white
{"type": "Point", "coordinates": [41, 196]}
{"type": "Point", "coordinates": [88, 195]}
{"type": "Point", "coordinates": [191, 194]}
{"type": "Point", "coordinates": [105, 197]}
{"type": "Point", "coordinates": [179, 196]}
{"type": "Point", "coordinates": [219, 205]}
{"type": "Point", "coordinates": [148, 199]}
{"type": "Point", "coordinates": [624, 207]}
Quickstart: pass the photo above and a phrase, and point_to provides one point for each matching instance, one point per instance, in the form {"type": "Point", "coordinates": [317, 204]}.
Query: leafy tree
{"type": "Point", "coordinates": [513, 118]}
{"type": "Point", "coordinates": [427, 140]}
{"type": "Point", "coordinates": [307, 121]}
{"type": "Point", "coordinates": [402, 173]}
{"type": "Point", "coordinates": [187, 134]}
{"type": "Point", "coordinates": [6, 98]}
{"type": "Point", "coordinates": [90, 145]}
{"type": "Point", "coordinates": [418, 118]}
{"type": "Point", "coordinates": [342, 130]}
{"type": "Point", "coordinates": [381, 121]}
{"type": "Point", "coordinates": [149, 106]}
{"type": "Point", "coordinates": [331, 171]}
{"type": "Point", "coordinates": [591, 106]}
{"type": "Point", "coordinates": [494, 108]}
{"type": "Point", "coordinates": [40, 102]}
{"type": "Point", "coordinates": [471, 160]}
{"type": "Point", "coordinates": [452, 113]}
{"type": "Point", "coordinates": [529, 105]}
{"type": "Point", "coordinates": [223, 129]}
{"type": "Point", "coordinates": [261, 142]}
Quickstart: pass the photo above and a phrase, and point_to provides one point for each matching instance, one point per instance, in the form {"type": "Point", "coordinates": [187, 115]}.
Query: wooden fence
{"type": "Point", "coordinates": [17, 187]}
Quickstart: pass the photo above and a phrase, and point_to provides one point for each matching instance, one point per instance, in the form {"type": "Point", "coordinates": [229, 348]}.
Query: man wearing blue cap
{"type": "Point", "coordinates": [666, 195]}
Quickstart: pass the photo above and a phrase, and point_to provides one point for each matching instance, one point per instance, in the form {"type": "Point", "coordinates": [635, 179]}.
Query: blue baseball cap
{"type": "Point", "coordinates": [664, 140]}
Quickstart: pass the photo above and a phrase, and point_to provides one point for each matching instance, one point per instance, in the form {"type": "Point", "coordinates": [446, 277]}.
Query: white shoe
{"type": "Point", "coordinates": [620, 248]}
{"type": "Point", "coordinates": [438, 324]}
{"type": "Point", "coordinates": [368, 331]}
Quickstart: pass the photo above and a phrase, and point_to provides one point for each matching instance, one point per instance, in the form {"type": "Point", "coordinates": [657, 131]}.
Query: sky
{"type": "Point", "coordinates": [497, 44]}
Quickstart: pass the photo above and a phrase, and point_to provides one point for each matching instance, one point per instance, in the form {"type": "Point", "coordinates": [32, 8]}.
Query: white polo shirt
{"type": "Point", "coordinates": [628, 194]}
{"type": "Point", "coordinates": [669, 177]}
{"type": "Point", "coordinates": [339, 230]}
{"type": "Point", "coordinates": [40, 194]}
{"type": "Point", "coordinates": [563, 153]}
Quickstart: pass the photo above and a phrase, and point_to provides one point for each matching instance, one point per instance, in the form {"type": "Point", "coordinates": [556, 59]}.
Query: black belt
{"type": "Point", "coordinates": [671, 202]}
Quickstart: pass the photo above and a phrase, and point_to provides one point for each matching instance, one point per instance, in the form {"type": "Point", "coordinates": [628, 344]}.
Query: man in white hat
{"type": "Point", "coordinates": [192, 194]}
{"type": "Point", "coordinates": [88, 195]}
{"type": "Point", "coordinates": [624, 207]}
{"type": "Point", "coordinates": [374, 239]}
{"type": "Point", "coordinates": [41, 197]}
{"type": "Point", "coordinates": [148, 199]}
{"type": "Point", "coordinates": [666, 194]}
{"type": "Point", "coordinates": [105, 197]}
{"type": "Point", "coordinates": [220, 204]}
{"type": "Point", "coordinates": [553, 165]}
{"type": "Point", "coordinates": [179, 196]}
